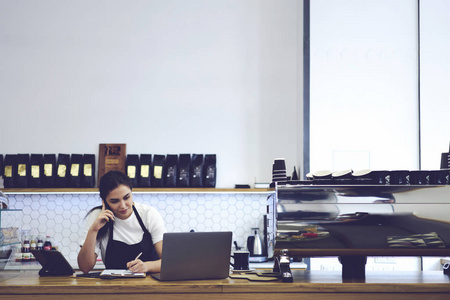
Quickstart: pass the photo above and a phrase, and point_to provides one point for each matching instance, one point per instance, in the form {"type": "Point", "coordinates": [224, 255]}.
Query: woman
{"type": "Point", "coordinates": [120, 230]}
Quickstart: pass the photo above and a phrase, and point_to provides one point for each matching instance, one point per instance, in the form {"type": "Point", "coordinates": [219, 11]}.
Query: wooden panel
{"type": "Point", "coordinates": [111, 157]}
{"type": "Point", "coordinates": [245, 296]}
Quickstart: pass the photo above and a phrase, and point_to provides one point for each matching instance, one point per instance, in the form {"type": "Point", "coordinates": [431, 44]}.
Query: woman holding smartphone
{"type": "Point", "coordinates": [120, 230]}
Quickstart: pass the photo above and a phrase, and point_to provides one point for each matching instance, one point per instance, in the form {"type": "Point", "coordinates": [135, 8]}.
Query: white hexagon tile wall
{"type": "Point", "coordinates": [61, 216]}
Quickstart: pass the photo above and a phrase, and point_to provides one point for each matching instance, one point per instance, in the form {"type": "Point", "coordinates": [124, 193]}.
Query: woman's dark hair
{"type": "Point", "coordinates": [112, 180]}
{"type": "Point", "coordinates": [107, 183]}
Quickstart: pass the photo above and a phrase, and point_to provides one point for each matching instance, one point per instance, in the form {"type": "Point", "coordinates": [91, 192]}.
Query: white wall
{"type": "Point", "coordinates": [163, 77]}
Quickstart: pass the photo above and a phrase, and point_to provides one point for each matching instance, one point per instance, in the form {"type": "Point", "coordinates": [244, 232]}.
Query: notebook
{"type": "Point", "coordinates": [113, 273]}
{"type": "Point", "coordinates": [195, 255]}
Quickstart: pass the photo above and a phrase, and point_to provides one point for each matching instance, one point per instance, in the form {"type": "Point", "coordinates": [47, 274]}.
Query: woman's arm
{"type": "Point", "coordinates": [87, 256]}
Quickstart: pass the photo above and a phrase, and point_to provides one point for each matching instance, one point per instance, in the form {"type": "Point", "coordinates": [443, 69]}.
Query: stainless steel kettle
{"type": "Point", "coordinates": [254, 243]}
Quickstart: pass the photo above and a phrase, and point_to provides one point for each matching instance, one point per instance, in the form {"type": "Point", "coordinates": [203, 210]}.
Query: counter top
{"type": "Point", "coordinates": [317, 284]}
{"type": "Point", "coordinates": [34, 265]}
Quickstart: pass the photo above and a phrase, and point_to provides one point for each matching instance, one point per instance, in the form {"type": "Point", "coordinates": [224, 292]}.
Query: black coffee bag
{"type": "Point", "coordinates": [62, 170]}
{"type": "Point", "coordinates": [48, 178]}
{"type": "Point", "coordinates": [36, 170]}
{"type": "Point", "coordinates": [145, 168]}
{"type": "Point", "coordinates": [209, 171]}
{"type": "Point", "coordinates": [184, 165]}
{"type": "Point", "coordinates": [23, 171]}
{"type": "Point", "coordinates": [74, 172]}
{"type": "Point", "coordinates": [158, 166]}
{"type": "Point", "coordinates": [132, 167]}
{"type": "Point", "coordinates": [88, 171]}
{"type": "Point", "coordinates": [170, 174]}
{"type": "Point", "coordinates": [10, 170]}
{"type": "Point", "coordinates": [196, 172]}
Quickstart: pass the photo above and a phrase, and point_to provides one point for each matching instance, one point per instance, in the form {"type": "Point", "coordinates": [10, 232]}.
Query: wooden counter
{"type": "Point", "coordinates": [317, 285]}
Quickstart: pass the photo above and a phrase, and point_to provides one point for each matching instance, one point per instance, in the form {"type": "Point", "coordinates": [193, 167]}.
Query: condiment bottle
{"type": "Point", "coordinates": [48, 243]}
{"type": "Point", "coordinates": [40, 243]}
{"type": "Point", "coordinates": [26, 249]}
{"type": "Point", "coordinates": [32, 247]}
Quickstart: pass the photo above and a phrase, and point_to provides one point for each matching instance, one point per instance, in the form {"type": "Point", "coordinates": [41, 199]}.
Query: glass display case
{"type": "Point", "coordinates": [9, 236]}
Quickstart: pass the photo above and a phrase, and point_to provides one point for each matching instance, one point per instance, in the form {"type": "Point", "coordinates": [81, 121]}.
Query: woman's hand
{"type": "Point", "coordinates": [103, 217]}
{"type": "Point", "coordinates": [139, 266]}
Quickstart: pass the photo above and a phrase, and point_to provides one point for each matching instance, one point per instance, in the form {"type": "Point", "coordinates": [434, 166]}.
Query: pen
{"type": "Point", "coordinates": [139, 255]}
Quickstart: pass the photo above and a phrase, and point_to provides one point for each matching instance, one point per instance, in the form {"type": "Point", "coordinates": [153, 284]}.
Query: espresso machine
{"type": "Point", "coordinates": [361, 218]}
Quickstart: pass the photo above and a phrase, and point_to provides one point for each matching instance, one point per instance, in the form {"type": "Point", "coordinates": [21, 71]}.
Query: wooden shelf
{"type": "Point", "coordinates": [135, 190]}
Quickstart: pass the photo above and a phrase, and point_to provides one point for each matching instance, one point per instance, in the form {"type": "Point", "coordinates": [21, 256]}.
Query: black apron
{"type": "Point", "coordinates": [119, 253]}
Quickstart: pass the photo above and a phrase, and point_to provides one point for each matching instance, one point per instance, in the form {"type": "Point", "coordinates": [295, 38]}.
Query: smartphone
{"type": "Point", "coordinates": [107, 205]}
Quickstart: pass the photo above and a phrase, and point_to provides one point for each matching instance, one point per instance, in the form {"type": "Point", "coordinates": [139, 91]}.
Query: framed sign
{"type": "Point", "coordinates": [111, 157]}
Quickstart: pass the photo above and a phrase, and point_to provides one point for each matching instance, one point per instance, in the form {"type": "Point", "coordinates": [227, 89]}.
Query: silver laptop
{"type": "Point", "coordinates": [195, 255]}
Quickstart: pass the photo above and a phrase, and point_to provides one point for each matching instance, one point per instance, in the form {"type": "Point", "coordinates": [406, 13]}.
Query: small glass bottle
{"type": "Point", "coordinates": [26, 248]}
{"type": "Point", "coordinates": [32, 247]}
{"type": "Point", "coordinates": [18, 253]}
{"type": "Point", "coordinates": [48, 243]}
{"type": "Point", "coordinates": [40, 243]}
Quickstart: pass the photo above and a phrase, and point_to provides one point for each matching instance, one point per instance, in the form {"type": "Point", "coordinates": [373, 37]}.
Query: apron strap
{"type": "Point", "coordinates": [139, 219]}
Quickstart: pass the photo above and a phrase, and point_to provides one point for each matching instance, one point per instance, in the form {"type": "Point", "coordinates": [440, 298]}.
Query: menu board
{"type": "Point", "coordinates": [111, 157]}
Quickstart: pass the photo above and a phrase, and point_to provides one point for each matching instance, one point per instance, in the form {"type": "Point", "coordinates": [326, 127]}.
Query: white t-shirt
{"type": "Point", "coordinates": [129, 231]}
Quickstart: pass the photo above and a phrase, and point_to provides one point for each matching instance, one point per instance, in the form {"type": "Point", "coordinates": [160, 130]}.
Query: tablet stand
{"type": "Point", "coordinates": [53, 270]}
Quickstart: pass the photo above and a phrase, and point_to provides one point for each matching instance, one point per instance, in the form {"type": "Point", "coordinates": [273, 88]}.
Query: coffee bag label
{"type": "Point", "coordinates": [35, 171]}
{"type": "Point", "coordinates": [8, 171]}
{"type": "Point", "coordinates": [74, 169]}
{"type": "Point", "coordinates": [22, 170]}
{"type": "Point", "coordinates": [131, 171]}
{"type": "Point", "coordinates": [48, 170]}
{"type": "Point", "coordinates": [157, 172]}
{"type": "Point", "coordinates": [145, 171]}
{"type": "Point", "coordinates": [62, 170]}
{"type": "Point", "coordinates": [87, 170]}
